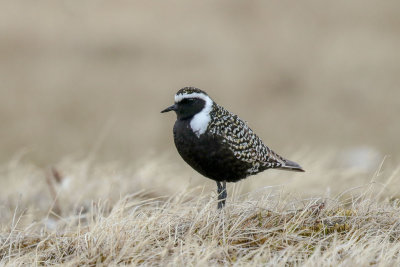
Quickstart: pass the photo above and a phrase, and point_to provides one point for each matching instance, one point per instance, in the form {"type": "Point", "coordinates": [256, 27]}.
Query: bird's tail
{"type": "Point", "coordinates": [291, 166]}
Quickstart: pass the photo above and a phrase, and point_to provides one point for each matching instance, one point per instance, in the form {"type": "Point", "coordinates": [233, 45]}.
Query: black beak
{"type": "Point", "coordinates": [173, 107]}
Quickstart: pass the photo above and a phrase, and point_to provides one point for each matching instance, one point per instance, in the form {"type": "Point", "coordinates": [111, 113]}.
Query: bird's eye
{"type": "Point", "coordinates": [187, 101]}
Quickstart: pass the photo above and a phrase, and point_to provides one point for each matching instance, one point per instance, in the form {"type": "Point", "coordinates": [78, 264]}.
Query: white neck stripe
{"type": "Point", "coordinates": [200, 121]}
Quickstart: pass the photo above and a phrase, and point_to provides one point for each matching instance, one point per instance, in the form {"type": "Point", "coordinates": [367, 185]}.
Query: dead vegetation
{"type": "Point", "coordinates": [276, 227]}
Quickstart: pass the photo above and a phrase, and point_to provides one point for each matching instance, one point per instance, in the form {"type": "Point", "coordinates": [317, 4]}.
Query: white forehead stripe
{"type": "Point", "coordinates": [200, 121]}
{"type": "Point", "coordinates": [180, 97]}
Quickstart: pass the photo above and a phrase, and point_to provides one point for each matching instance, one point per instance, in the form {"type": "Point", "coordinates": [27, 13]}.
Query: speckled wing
{"type": "Point", "coordinates": [242, 141]}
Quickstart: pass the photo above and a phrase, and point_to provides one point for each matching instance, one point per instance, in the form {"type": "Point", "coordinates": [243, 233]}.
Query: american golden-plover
{"type": "Point", "coordinates": [217, 143]}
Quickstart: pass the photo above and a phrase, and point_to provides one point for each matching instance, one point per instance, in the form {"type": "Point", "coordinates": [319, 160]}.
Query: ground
{"type": "Point", "coordinates": [83, 213]}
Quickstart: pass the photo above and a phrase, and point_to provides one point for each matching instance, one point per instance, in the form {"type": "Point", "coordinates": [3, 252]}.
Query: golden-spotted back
{"type": "Point", "coordinates": [244, 143]}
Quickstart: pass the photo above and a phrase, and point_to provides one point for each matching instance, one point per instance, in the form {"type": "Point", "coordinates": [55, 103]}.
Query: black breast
{"type": "Point", "coordinates": [208, 154]}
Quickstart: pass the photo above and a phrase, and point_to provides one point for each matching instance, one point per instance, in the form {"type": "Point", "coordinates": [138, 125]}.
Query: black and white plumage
{"type": "Point", "coordinates": [217, 143]}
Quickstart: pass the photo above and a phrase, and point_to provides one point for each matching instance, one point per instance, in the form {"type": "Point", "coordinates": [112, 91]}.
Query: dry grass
{"type": "Point", "coordinates": [81, 214]}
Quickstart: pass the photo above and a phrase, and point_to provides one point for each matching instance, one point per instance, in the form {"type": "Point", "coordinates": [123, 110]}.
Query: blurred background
{"type": "Point", "coordinates": [82, 78]}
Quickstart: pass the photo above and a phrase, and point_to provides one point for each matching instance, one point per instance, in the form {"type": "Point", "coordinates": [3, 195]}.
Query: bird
{"type": "Point", "coordinates": [218, 144]}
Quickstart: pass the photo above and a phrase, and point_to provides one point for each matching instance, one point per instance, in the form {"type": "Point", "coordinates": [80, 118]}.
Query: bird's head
{"type": "Point", "coordinates": [190, 101]}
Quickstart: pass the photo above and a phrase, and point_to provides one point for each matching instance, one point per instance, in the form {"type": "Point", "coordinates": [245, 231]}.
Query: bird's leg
{"type": "Point", "coordinates": [222, 194]}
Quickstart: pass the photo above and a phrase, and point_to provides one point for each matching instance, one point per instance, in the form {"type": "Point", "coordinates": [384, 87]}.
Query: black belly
{"type": "Point", "coordinates": [208, 155]}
